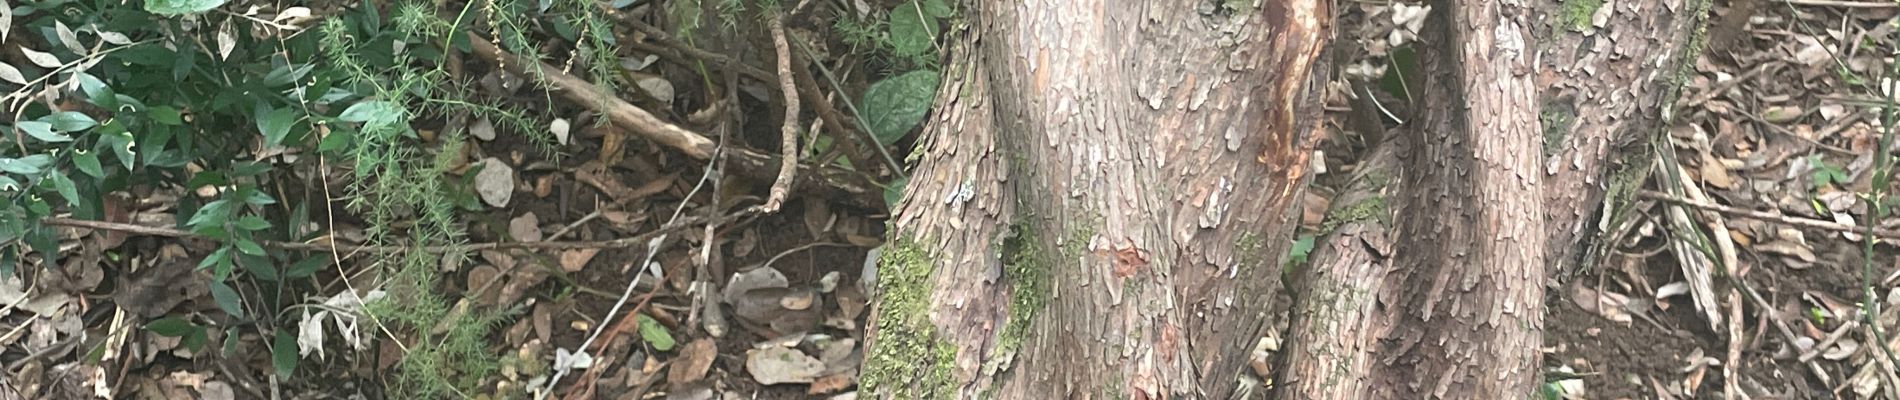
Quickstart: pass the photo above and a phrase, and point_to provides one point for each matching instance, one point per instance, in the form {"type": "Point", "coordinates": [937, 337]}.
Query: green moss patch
{"type": "Point", "coordinates": [909, 360]}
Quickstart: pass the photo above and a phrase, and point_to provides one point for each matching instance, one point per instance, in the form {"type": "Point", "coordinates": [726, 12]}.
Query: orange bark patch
{"type": "Point", "coordinates": [1129, 260]}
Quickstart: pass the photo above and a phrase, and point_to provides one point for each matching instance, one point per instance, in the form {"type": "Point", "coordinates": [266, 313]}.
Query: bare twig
{"type": "Point", "coordinates": [863, 125]}
{"type": "Point", "coordinates": [788, 159]}
{"type": "Point", "coordinates": [835, 122]}
{"type": "Point", "coordinates": [1767, 216]}
{"type": "Point", "coordinates": [620, 112]}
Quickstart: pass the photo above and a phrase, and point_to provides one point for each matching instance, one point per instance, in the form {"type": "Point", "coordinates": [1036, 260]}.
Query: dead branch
{"type": "Point", "coordinates": [788, 132]}
{"type": "Point", "coordinates": [850, 187]}
{"type": "Point", "coordinates": [1770, 217]}
{"type": "Point", "coordinates": [620, 112]}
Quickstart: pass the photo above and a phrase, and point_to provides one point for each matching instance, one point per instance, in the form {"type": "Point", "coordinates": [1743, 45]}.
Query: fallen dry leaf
{"type": "Point", "coordinates": [574, 260]}
{"type": "Point", "coordinates": [479, 278]}
{"type": "Point", "coordinates": [694, 359]}
{"type": "Point", "coordinates": [775, 365]}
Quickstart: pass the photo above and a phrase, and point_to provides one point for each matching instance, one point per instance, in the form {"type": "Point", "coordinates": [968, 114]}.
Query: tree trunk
{"type": "Point", "coordinates": [1104, 193]}
{"type": "Point", "coordinates": [1449, 304]}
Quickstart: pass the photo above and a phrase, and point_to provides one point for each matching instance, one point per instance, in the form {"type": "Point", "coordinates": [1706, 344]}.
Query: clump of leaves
{"type": "Point", "coordinates": [234, 110]}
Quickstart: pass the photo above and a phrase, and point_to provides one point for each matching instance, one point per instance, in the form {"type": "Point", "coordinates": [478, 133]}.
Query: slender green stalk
{"type": "Point", "coordinates": [1877, 207]}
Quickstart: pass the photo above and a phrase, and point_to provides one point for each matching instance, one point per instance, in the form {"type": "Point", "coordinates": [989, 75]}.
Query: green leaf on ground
{"type": "Point", "coordinates": [655, 334]}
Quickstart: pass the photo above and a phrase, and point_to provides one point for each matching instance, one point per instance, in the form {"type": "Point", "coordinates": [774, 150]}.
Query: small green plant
{"type": "Point", "coordinates": [1821, 173]}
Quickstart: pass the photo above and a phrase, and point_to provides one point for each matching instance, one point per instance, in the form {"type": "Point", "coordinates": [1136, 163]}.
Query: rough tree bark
{"type": "Point", "coordinates": [1104, 192]}
{"type": "Point", "coordinates": [1382, 313]}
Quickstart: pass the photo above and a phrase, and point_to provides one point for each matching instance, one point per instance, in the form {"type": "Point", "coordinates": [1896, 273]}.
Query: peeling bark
{"type": "Point", "coordinates": [1143, 157]}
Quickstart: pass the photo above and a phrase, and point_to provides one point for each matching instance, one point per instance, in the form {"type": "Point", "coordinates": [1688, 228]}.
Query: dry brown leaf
{"type": "Point", "coordinates": [1608, 305]}
{"type": "Point", "coordinates": [543, 321]}
{"type": "Point", "coordinates": [694, 359]}
{"type": "Point", "coordinates": [775, 365]}
{"type": "Point", "coordinates": [478, 278]}
{"type": "Point", "coordinates": [575, 260]}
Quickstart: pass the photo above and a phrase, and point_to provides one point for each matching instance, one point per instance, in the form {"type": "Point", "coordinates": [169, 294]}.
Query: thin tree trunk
{"type": "Point", "coordinates": [1400, 319]}
{"type": "Point", "coordinates": [1105, 191]}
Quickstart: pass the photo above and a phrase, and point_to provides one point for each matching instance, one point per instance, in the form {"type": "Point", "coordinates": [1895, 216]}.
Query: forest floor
{"type": "Point", "coordinates": [1771, 123]}
{"type": "Point", "coordinates": [1778, 118]}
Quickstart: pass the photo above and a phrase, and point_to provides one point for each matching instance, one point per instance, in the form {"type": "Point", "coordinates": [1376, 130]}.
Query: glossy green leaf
{"type": "Point", "coordinates": [655, 334]}
{"type": "Point", "coordinates": [283, 353]}
{"type": "Point", "coordinates": [88, 162]}
{"type": "Point", "coordinates": [97, 91]}
{"type": "Point", "coordinates": [171, 326]}
{"type": "Point", "coordinates": [285, 74]}
{"type": "Point", "coordinates": [213, 213]}
{"type": "Point", "coordinates": [374, 110]}
{"type": "Point", "coordinates": [43, 131]}
{"type": "Point", "coordinates": [165, 115]}
{"type": "Point", "coordinates": [252, 223]}
{"type": "Point", "coordinates": [28, 165]}
{"type": "Point", "coordinates": [260, 266]}
{"type": "Point", "coordinates": [249, 168]}
{"type": "Point", "coordinates": [250, 247]}
{"type": "Point", "coordinates": [64, 186]}
{"type": "Point", "coordinates": [896, 104]}
{"type": "Point", "coordinates": [307, 266]}
{"type": "Point", "coordinates": [274, 123]}
{"type": "Point", "coordinates": [218, 256]}
{"type": "Point", "coordinates": [227, 299]}
{"type": "Point", "coordinates": [119, 144]}
{"type": "Point", "coordinates": [70, 121]}
{"type": "Point", "coordinates": [337, 139]}
{"type": "Point", "coordinates": [194, 341]}
{"type": "Point", "coordinates": [255, 197]}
